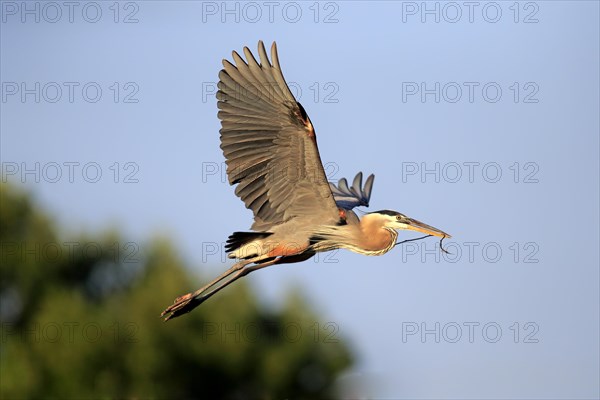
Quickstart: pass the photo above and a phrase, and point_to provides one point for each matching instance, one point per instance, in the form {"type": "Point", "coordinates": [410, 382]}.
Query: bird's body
{"type": "Point", "coordinates": [319, 236]}
{"type": "Point", "coordinates": [271, 153]}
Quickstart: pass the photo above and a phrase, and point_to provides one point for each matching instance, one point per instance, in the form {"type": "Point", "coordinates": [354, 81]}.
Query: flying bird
{"type": "Point", "coordinates": [271, 153]}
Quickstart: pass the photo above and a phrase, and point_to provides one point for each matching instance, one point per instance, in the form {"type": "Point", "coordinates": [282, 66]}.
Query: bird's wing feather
{"type": "Point", "coordinates": [269, 144]}
{"type": "Point", "coordinates": [355, 196]}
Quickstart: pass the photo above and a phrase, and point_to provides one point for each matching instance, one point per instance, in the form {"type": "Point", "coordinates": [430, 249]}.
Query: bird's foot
{"type": "Point", "coordinates": [181, 305]}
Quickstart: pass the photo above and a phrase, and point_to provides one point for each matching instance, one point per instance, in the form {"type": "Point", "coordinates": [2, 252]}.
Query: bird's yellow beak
{"type": "Point", "coordinates": [414, 225]}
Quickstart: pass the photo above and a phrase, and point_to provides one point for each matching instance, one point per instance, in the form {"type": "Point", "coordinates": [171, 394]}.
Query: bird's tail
{"type": "Point", "coordinates": [238, 239]}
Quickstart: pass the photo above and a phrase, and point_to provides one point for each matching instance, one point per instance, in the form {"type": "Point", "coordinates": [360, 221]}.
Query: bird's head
{"type": "Point", "coordinates": [395, 220]}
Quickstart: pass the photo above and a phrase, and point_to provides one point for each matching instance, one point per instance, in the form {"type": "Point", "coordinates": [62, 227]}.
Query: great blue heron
{"type": "Point", "coordinates": [271, 154]}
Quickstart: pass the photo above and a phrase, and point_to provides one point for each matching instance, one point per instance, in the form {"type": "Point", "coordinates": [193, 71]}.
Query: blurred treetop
{"type": "Point", "coordinates": [79, 319]}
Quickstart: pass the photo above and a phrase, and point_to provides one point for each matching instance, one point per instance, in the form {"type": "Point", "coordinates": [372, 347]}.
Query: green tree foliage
{"type": "Point", "coordinates": [80, 320]}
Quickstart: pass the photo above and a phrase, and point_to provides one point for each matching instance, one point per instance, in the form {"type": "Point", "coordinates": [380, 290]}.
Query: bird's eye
{"type": "Point", "coordinates": [398, 217]}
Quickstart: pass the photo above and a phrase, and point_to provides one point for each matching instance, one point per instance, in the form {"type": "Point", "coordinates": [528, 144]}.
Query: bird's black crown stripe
{"type": "Point", "coordinates": [386, 212]}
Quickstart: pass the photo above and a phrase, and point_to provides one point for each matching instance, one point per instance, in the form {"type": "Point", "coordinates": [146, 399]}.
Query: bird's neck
{"type": "Point", "coordinates": [377, 240]}
{"type": "Point", "coordinates": [367, 238]}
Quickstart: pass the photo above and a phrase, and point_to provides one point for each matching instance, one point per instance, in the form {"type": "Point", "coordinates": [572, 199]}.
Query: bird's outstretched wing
{"type": "Point", "coordinates": [269, 144]}
{"type": "Point", "coordinates": [355, 196]}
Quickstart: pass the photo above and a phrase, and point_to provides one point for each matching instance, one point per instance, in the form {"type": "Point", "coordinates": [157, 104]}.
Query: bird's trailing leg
{"type": "Point", "coordinates": [188, 302]}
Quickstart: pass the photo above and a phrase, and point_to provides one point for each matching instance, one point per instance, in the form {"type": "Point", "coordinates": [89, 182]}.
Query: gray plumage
{"type": "Point", "coordinates": [269, 144]}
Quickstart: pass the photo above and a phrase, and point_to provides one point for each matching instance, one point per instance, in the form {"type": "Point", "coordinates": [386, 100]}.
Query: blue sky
{"type": "Point", "coordinates": [483, 123]}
